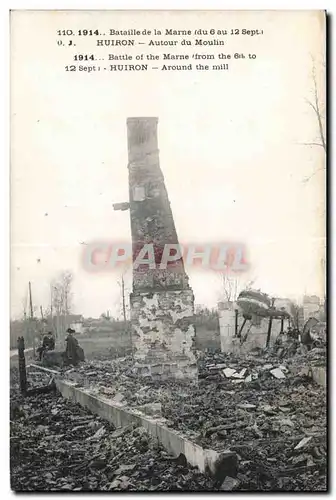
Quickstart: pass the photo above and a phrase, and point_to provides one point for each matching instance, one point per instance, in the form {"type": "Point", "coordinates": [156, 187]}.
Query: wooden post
{"type": "Point", "coordinates": [236, 322]}
{"type": "Point", "coordinates": [22, 365]}
{"type": "Point", "coordinates": [32, 329]}
{"type": "Point", "coordinates": [123, 297]}
{"type": "Point", "coordinates": [282, 325]}
{"type": "Point", "coordinates": [241, 328]}
{"type": "Point", "coordinates": [51, 313]}
{"type": "Point", "coordinates": [269, 331]}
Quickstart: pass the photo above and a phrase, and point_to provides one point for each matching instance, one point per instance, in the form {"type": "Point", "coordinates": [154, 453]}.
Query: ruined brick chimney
{"type": "Point", "coordinates": [162, 302]}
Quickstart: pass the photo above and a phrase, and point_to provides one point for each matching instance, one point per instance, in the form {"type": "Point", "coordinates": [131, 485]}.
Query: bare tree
{"type": "Point", "coordinates": [233, 285]}
{"type": "Point", "coordinates": [122, 289]}
{"type": "Point", "coordinates": [66, 280]}
{"type": "Point", "coordinates": [319, 110]}
{"type": "Point", "coordinates": [61, 300]}
{"type": "Point", "coordinates": [230, 287]}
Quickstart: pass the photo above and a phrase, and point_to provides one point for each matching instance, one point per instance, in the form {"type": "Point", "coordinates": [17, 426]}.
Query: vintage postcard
{"type": "Point", "coordinates": [168, 251]}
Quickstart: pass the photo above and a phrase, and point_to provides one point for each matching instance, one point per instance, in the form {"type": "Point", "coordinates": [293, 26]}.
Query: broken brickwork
{"type": "Point", "coordinates": [162, 302]}
{"type": "Point", "coordinates": [255, 331]}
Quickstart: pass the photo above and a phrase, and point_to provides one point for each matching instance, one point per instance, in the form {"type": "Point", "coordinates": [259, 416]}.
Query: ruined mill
{"type": "Point", "coordinates": [162, 302]}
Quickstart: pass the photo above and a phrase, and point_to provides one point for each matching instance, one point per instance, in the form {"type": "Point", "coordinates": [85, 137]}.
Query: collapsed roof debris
{"type": "Point", "coordinates": [276, 424]}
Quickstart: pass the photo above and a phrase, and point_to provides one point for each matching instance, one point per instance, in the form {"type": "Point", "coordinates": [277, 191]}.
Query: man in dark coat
{"type": "Point", "coordinates": [71, 347]}
{"type": "Point", "coordinates": [73, 353]}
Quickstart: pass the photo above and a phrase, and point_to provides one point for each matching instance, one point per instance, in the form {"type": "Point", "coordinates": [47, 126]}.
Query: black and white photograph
{"type": "Point", "coordinates": [168, 251]}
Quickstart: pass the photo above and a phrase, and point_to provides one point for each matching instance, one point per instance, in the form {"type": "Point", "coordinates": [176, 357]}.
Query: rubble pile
{"type": "Point", "coordinates": [257, 405]}
{"type": "Point", "coordinates": [59, 446]}
{"type": "Point", "coordinates": [267, 410]}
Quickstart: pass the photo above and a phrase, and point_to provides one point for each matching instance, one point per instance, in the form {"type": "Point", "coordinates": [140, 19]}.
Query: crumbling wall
{"type": "Point", "coordinates": [163, 334]}
{"type": "Point", "coordinates": [257, 333]}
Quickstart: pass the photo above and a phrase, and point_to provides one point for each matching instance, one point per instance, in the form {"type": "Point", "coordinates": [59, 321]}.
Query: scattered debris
{"type": "Point", "coordinates": [229, 484]}
{"type": "Point", "coordinates": [277, 373]}
{"type": "Point", "coordinates": [246, 406]}
{"type": "Point", "coordinates": [303, 443]}
{"type": "Point", "coordinates": [48, 454]}
{"type": "Point", "coordinates": [259, 416]}
{"type": "Point", "coordinates": [228, 372]}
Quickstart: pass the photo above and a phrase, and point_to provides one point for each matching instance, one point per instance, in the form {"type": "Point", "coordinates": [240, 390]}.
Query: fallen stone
{"type": "Point", "coordinates": [181, 460]}
{"type": "Point", "coordinates": [277, 373]}
{"type": "Point", "coordinates": [123, 468]}
{"type": "Point", "coordinates": [248, 378]}
{"type": "Point", "coordinates": [99, 463]}
{"type": "Point", "coordinates": [267, 367]}
{"type": "Point", "coordinates": [286, 421]}
{"type": "Point", "coordinates": [303, 443]}
{"type": "Point", "coordinates": [229, 484]}
{"type": "Point", "coordinates": [99, 434]}
{"type": "Point", "coordinates": [300, 459]}
{"type": "Point", "coordinates": [154, 409]}
{"type": "Point", "coordinates": [118, 398]}
{"type": "Point", "coordinates": [268, 409]}
{"type": "Point", "coordinates": [121, 431]}
{"type": "Point", "coordinates": [285, 408]}
{"type": "Point", "coordinates": [304, 372]}
{"type": "Point", "coordinates": [228, 372]}
{"type": "Point", "coordinates": [246, 406]}
{"type": "Point", "coordinates": [107, 390]}
{"type": "Point", "coordinates": [114, 485]}
{"type": "Point", "coordinates": [226, 465]}
{"type": "Point", "coordinates": [257, 430]}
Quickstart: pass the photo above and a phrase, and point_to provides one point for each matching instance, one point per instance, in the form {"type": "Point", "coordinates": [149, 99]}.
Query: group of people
{"type": "Point", "coordinates": [73, 352]}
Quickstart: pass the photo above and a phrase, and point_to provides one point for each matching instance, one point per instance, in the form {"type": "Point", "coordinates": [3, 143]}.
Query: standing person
{"type": "Point", "coordinates": [71, 348]}
{"type": "Point", "coordinates": [51, 341]}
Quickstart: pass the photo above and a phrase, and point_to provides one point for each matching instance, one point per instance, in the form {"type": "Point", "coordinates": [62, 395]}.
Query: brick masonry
{"type": "Point", "coordinates": [163, 333]}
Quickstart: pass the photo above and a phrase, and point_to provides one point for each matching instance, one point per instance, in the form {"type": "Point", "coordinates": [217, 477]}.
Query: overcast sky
{"type": "Point", "coordinates": [229, 149]}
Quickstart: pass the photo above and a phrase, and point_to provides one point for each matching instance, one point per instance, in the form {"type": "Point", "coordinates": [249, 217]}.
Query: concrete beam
{"type": "Point", "coordinates": [208, 461]}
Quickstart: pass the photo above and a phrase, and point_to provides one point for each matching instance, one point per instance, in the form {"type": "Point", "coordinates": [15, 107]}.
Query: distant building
{"type": "Point", "coordinates": [248, 319]}
{"type": "Point", "coordinates": [284, 305]}
{"type": "Point", "coordinates": [75, 321]}
{"type": "Point", "coordinates": [312, 307]}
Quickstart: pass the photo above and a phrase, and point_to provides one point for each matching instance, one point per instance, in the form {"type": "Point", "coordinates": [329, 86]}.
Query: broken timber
{"type": "Point", "coordinates": [23, 374]}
